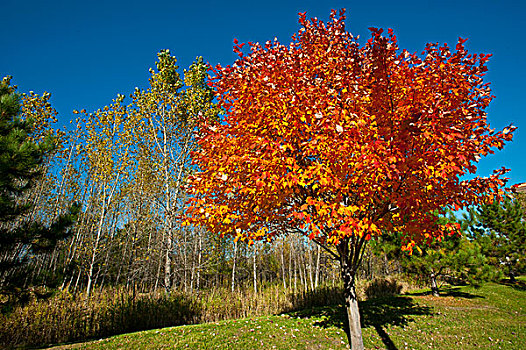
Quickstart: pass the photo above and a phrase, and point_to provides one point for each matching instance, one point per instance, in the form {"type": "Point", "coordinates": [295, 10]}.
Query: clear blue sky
{"type": "Point", "coordinates": [85, 52]}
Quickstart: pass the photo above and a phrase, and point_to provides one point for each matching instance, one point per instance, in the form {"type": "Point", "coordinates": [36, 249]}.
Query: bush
{"type": "Point", "coordinates": [383, 287]}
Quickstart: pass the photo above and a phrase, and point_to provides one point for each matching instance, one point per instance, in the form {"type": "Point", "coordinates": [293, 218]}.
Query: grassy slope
{"type": "Point", "coordinates": [492, 317]}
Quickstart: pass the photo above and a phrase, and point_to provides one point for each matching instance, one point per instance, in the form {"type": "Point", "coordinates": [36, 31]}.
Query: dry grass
{"type": "Point", "coordinates": [68, 318]}
{"type": "Point", "coordinates": [493, 317]}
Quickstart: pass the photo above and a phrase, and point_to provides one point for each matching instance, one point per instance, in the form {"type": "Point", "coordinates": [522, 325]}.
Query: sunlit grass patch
{"type": "Point", "coordinates": [491, 317]}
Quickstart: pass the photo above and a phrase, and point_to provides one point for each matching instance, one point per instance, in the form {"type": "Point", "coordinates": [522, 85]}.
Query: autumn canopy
{"type": "Point", "coordinates": [340, 140]}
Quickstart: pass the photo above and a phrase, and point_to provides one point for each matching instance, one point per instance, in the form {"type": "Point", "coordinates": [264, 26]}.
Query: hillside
{"type": "Point", "coordinates": [492, 317]}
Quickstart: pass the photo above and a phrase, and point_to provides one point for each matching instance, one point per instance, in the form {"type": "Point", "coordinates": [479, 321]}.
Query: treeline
{"type": "Point", "coordinates": [125, 167]}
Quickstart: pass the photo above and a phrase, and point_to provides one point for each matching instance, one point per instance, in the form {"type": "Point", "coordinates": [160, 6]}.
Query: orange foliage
{"type": "Point", "coordinates": [337, 139]}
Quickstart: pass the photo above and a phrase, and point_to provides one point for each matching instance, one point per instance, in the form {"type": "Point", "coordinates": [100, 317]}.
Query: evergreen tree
{"type": "Point", "coordinates": [21, 165]}
{"type": "Point", "coordinates": [454, 258]}
{"type": "Point", "coordinates": [501, 230]}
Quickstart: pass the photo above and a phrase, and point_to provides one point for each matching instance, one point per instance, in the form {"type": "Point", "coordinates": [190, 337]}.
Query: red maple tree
{"type": "Point", "coordinates": [343, 142]}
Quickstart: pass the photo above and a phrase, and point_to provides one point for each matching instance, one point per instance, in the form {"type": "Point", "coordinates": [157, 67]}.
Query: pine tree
{"type": "Point", "coordinates": [21, 165]}
{"type": "Point", "coordinates": [453, 258]}
{"type": "Point", "coordinates": [502, 233]}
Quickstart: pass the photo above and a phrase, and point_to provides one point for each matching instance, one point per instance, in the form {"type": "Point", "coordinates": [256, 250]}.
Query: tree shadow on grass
{"type": "Point", "coordinates": [517, 284]}
{"type": "Point", "coordinates": [390, 311]}
{"type": "Point", "coordinates": [377, 313]}
{"type": "Point", "coordinates": [449, 291]}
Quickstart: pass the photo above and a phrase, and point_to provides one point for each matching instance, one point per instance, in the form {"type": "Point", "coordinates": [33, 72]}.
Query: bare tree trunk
{"type": "Point", "coordinates": [158, 277]}
{"type": "Point", "coordinates": [171, 200]}
{"type": "Point", "coordinates": [94, 250]}
{"type": "Point", "coordinates": [199, 256]}
{"type": "Point", "coordinates": [317, 274]}
{"type": "Point", "coordinates": [77, 281]}
{"type": "Point", "coordinates": [283, 273]}
{"type": "Point", "coordinates": [168, 222]}
{"type": "Point", "coordinates": [301, 267]}
{"type": "Point", "coordinates": [168, 258]}
{"type": "Point", "coordinates": [255, 270]}
{"type": "Point", "coordinates": [75, 244]}
{"type": "Point", "coordinates": [434, 285]}
{"type": "Point", "coordinates": [185, 261]}
{"type": "Point", "coordinates": [105, 204]}
{"type": "Point", "coordinates": [311, 277]}
{"type": "Point", "coordinates": [194, 265]}
{"type": "Point", "coordinates": [295, 272]}
{"type": "Point", "coordinates": [290, 266]}
{"type": "Point", "coordinates": [234, 267]}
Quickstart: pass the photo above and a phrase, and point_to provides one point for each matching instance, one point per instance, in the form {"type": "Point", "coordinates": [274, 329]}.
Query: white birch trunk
{"type": "Point", "coordinates": [234, 268]}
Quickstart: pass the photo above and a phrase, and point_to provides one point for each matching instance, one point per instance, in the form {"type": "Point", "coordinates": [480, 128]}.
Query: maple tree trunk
{"type": "Point", "coordinates": [350, 251]}
{"type": "Point", "coordinates": [351, 305]}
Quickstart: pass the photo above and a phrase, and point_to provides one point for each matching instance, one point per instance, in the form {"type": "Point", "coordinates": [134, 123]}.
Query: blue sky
{"type": "Point", "coordinates": [85, 53]}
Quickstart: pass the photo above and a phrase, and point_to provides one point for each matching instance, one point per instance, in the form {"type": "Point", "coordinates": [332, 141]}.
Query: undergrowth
{"type": "Point", "coordinates": [67, 317]}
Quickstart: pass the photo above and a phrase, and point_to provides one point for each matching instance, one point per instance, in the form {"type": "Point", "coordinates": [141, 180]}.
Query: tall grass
{"type": "Point", "coordinates": [67, 317]}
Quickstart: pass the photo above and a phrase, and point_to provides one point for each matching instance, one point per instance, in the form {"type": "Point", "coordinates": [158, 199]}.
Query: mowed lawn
{"type": "Point", "coordinates": [492, 317]}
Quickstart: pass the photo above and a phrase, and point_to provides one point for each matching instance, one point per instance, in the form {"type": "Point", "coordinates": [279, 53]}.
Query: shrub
{"type": "Point", "coordinates": [382, 287]}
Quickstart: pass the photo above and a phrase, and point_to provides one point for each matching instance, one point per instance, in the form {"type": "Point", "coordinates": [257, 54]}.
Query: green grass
{"type": "Point", "coordinates": [271, 332]}
{"type": "Point", "coordinates": [491, 317]}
